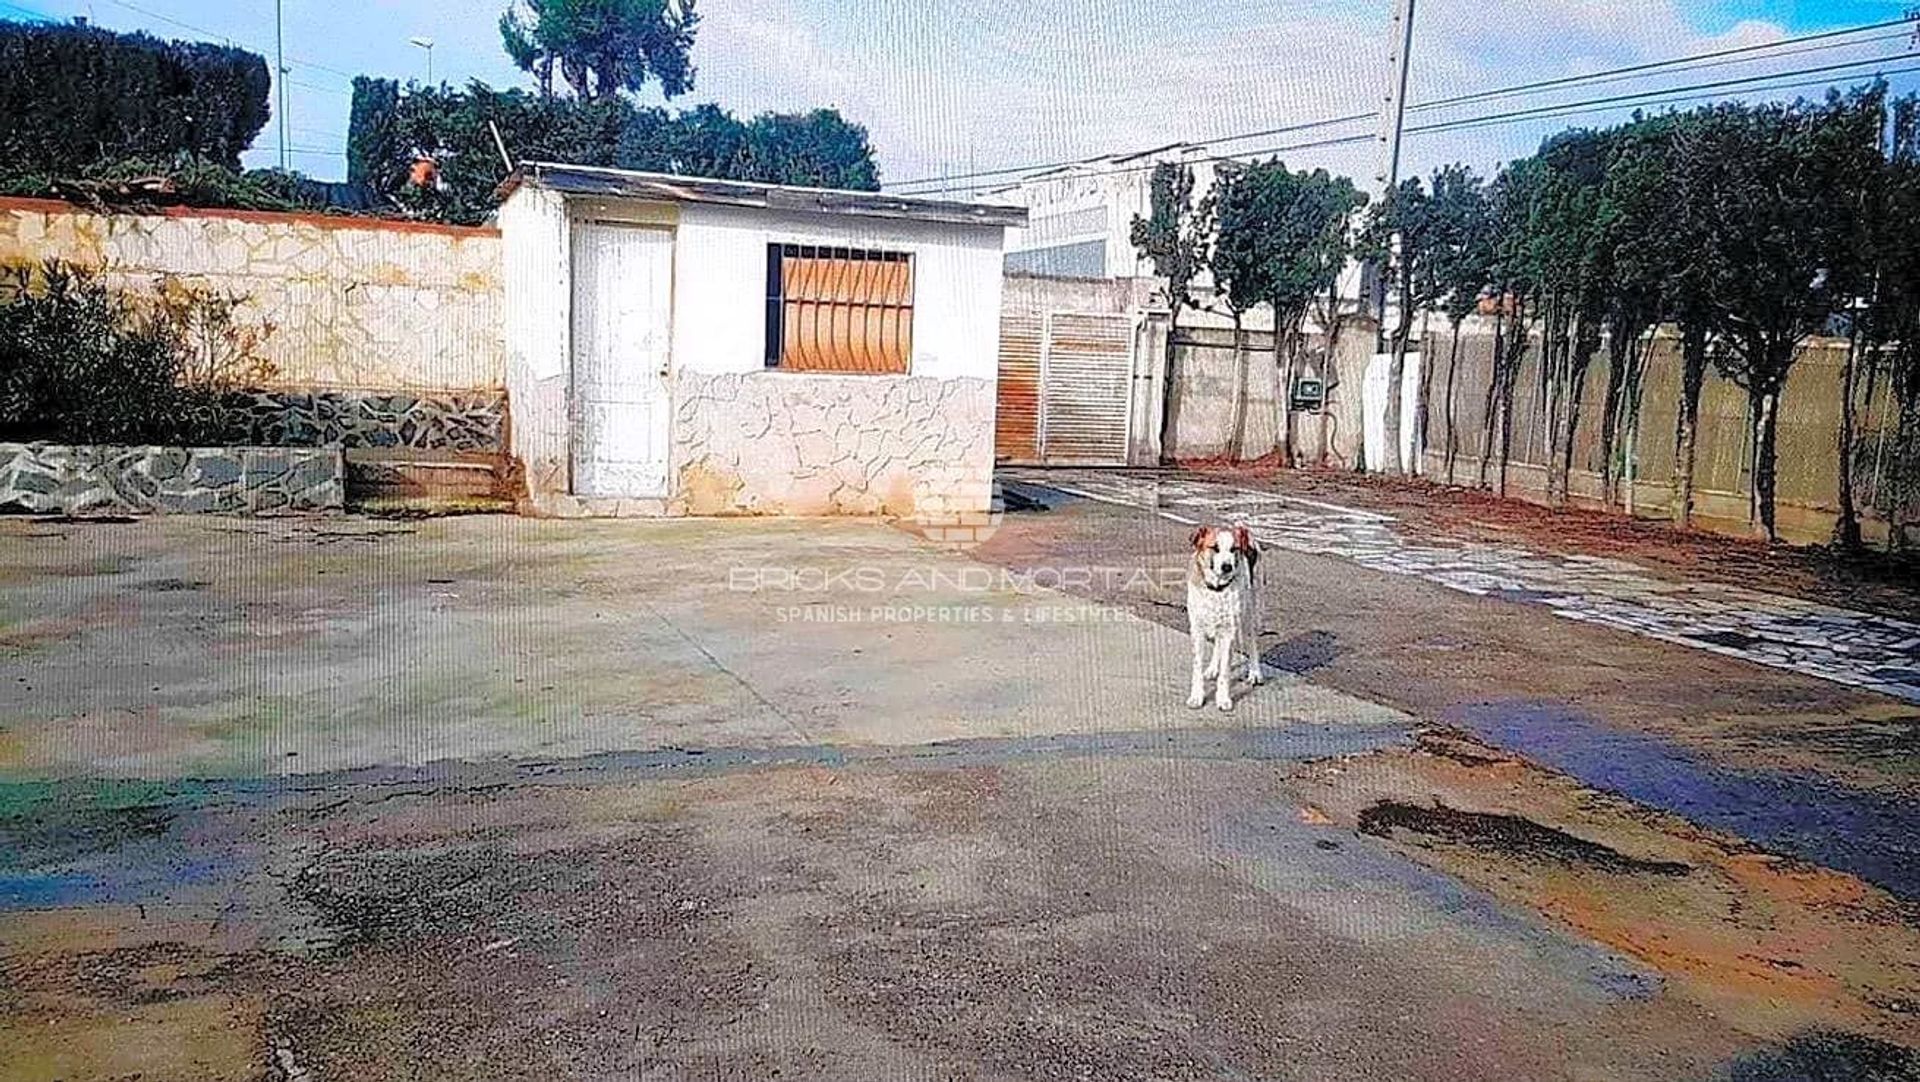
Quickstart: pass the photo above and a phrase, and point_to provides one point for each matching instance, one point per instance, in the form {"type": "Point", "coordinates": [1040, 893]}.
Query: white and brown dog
{"type": "Point", "coordinates": [1223, 608]}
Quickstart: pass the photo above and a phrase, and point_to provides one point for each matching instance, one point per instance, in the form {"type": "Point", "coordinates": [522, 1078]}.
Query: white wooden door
{"type": "Point", "coordinates": [622, 323]}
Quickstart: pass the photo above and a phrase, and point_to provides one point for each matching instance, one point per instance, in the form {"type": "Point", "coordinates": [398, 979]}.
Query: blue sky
{"type": "Point", "coordinates": [955, 85]}
{"type": "Point", "coordinates": [1799, 15]}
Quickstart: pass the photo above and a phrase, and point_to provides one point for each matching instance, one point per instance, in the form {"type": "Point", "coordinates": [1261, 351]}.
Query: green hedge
{"type": "Point", "coordinates": [75, 96]}
{"type": "Point", "coordinates": [390, 127]}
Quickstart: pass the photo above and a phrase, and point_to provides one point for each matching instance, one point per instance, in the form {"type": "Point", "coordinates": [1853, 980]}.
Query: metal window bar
{"type": "Point", "coordinates": [838, 309]}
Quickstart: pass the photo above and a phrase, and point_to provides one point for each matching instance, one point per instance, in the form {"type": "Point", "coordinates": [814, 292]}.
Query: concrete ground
{"type": "Point", "coordinates": [490, 797]}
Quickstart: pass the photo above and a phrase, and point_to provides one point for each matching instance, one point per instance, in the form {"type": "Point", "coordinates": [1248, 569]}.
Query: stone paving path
{"type": "Point", "coordinates": [1848, 647]}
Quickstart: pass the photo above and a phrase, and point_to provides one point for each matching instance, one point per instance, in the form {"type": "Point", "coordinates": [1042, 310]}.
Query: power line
{"type": "Point", "coordinates": [36, 16]}
{"type": "Point", "coordinates": [1307, 125]}
{"type": "Point", "coordinates": [41, 17]}
{"type": "Point", "coordinates": [1568, 80]}
{"type": "Point", "coordinates": [1591, 105]}
{"type": "Point", "coordinates": [170, 20]}
{"type": "Point", "coordinates": [1610, 74]}
{"type": "Point", "coordinates": [1599, 78]}
{"type": "Point", "coordinates": [1570, 110]}
{"type": "Point", "coordinates": [1742, 81]}
{"type": "Point", "coordinates": [321, 89]}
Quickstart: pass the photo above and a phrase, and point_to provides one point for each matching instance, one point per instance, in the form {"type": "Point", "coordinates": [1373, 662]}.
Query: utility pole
{"type": "Point", "coordinates": [1393, 102]}
{"type": "Point", "coordinates": [280, 77]}
{"type": "Point", "coordinates": [1393, 115]}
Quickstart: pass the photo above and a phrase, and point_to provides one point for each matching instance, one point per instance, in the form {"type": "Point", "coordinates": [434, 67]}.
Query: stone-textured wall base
{"type": "Point", "coordinates": [426, 420]}
{"type": "Point", "coordinates": [61, 479]}
{"type": "Point", "coordinates": [772, 443]}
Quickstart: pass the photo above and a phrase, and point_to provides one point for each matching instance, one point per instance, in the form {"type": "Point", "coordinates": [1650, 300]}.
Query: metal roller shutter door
{"type": "Point", "coordinates": [1086, 389]}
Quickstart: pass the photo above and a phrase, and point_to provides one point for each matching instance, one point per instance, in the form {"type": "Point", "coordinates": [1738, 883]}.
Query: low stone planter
{"type": "Point", "coordinates": [49, 478]}
{"type": "Point", "coordinates": [422, 420]}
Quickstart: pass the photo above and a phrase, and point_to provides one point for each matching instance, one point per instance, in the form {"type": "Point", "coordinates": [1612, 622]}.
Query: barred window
{"type": "Point", "coordinates": [838, 309]}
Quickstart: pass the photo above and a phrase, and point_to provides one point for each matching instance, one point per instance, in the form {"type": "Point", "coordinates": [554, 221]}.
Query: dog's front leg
{"type": "Point", "coordinates": [1255, 675]}
{"type": "Point", "coordinates": [1223, 669]}
{"type": "Point", "coordinates": [1197, 697]}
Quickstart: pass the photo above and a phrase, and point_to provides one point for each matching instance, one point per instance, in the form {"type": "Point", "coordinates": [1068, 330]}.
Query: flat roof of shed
{"type": "Point", "coordinates": [594, 180]}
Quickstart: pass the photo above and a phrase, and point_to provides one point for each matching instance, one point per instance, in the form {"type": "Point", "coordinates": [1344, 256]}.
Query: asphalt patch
{"type": "Point", "coordinates": [169, 586]}
{"type": "Point", "coordinates": [1508, 834]}
{"type": "Point", "coordinates": [1827, 1056]}
{"type": "Point", "coordinates": [50, 823]}
{"type": "Point", "coordinates": [1800, 815]}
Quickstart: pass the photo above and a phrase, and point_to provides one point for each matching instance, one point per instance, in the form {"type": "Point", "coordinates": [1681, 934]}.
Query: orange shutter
{"type": "Point", "coordinates": [846, 312]}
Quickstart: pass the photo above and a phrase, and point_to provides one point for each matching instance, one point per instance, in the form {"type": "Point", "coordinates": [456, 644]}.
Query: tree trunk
{"type": "Point", "coordinates": [1553, 361]}
{"type": "Point", "coordinates": [1693, 375]}
{"type": "Point", "coordinates": [1631, 400]}
{"type": "Point", "coordinates": [1618, 348]}
{"type": "Point", "coordinates": [1166, 390]}
{"type": "Point", "coordinates": [1396, 372]}
{"type": "Point", "coordinates": [1489, 420]}
{"type": "Point", "coordinates": [1283, 353]}
{"type": "Point", "coordinates": [1394, 466]}
{"type": "Point", "coordinates": [1329, 372]}
{"type": "Point", "coordinates": [1906, 450]}
{"type": "Point", "coordinates": [1421, 408]}
{"type": "Point", "coordinates": [1565, 457]}
{"type": "Point", "coordinates": [1453, 366]}
{"type": "Point", "coordinates": [1239, 433]}
{"type": "Point", "coordinates": [1553, 380]}
{"type": "Point", "coordinates": [1586, 342]}
{"type": "Point", "coordinates": [1765, 461]}
{"type": "Point", "coordinates": [1847, 530]}
{"type": "Point", "coordinates": [1516, 346]}
{"type": "Point", "coordinates": [1506, 430]}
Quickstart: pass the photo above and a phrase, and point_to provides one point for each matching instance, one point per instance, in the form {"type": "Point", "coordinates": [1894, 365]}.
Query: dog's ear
{"type": "Point", "coordinates": [1199, 538]}
{"type": "Point", "coordinates": [1243, 540]}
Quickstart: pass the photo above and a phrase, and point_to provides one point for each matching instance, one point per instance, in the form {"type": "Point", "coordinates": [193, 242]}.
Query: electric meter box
{"type": "Point", "coordinates": [1309, 394]}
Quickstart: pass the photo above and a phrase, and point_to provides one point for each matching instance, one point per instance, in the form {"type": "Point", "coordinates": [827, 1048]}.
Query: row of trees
{"type": "Point", "coordinates": [585, 57]}
{"type": "Point", "coordinates": [1265, 234]}
{"type": "Point", "coordinates": [113, 118]}
{"type": "Point", "coordinates": [470, 134]}
{"type": "Point", "coordinates": [1747, 228]}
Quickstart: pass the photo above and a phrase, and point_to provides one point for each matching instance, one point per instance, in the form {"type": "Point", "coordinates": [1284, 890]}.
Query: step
{"type": "Point", "coordinates": [378, 472]}
{"type": "Point", "coordinates": [432, 506]}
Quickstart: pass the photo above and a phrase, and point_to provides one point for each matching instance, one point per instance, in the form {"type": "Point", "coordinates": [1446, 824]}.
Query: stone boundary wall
{"type": "Point", "coordinates": [430, 421]}
{"type": "Point", "coordinates": [352, 302]}
{"type": "Point", "coordinates": [48, 478]}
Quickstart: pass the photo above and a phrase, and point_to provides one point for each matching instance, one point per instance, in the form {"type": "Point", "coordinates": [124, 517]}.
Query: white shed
{"type": "Point", "coordinates": [680, 345]}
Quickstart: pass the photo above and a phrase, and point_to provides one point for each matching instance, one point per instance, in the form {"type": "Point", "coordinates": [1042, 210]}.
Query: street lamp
{"type": "Point", "coordinates": [427, 44]}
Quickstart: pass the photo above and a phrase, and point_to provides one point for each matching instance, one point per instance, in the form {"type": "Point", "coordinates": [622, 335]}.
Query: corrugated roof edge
{"type": "Point", "coordinates": [671, 188]}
